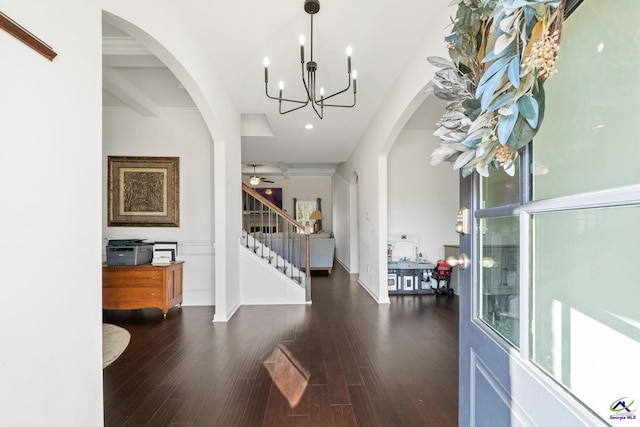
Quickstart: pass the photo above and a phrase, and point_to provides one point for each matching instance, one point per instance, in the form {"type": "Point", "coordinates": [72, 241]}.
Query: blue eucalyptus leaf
{"type": "Point", "coordinates": [463, 159]}
{"type": "Point", "coordinates": [514, 71]}
{"type": "Point", "coordinates": [530, 18]}
{"type": "Point", "coordinates": [497, 68]}
{"type": "Point", "coordinates": [529, 109]}
{"type": "Point", "coordinates": [501, 101]}
{"type": "Point", "coordinates": [522, 3]}
{"type": "Point", "coordinates": [497, 15]}
{"type": "Point", "coordinates": [492, 56]}
{"type": "Point", "coordinates": [498, 31]}
{"type": "Point", "coordinates": [510, 168]}
{"type": "Point", "coordinates": [490, 88]}
{"type": "Point", "coordinates": [505, 127]}
{"type": "Point", "coordinates": [472, 142]}
{"type": "Point", "coordinates": [504, 42]}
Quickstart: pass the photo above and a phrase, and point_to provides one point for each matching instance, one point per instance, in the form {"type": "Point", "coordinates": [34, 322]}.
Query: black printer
{"type": "Point", "coordinates": [129, 252]}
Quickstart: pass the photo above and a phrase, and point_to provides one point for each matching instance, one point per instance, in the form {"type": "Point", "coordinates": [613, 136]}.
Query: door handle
{"type": "Point", "coordinates": [462, 261]}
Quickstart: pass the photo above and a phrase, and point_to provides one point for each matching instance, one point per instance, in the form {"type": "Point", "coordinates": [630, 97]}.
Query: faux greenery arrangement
{"type": "Point", "coordinates": [501, 53]}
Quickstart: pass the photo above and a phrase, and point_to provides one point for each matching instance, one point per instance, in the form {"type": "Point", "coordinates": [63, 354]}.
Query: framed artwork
{"type": "Point", "coordinates": [143, 191]}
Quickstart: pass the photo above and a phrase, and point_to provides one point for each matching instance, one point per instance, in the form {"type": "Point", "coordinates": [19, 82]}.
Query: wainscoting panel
{"type": "Point", "coordinates": [492, 402]}
{"type": "Point", "coordinates": [199, 271]}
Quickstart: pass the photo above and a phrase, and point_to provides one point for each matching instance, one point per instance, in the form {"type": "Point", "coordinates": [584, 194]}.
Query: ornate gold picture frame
{"type": "Point", "coordinates": [143, 191]}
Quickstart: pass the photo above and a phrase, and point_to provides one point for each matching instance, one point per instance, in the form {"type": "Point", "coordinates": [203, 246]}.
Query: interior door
{"type": "Point", "coordinates": [549, 312]}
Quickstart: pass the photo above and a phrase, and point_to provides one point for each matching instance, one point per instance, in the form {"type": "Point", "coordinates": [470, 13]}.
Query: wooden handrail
{"type": "Point", "coordinates": [259, 197]}
{"type": "Point", "coordinates": [19, 32]}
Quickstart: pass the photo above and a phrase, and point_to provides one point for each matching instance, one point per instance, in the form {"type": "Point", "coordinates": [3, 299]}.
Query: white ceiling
{"type": "Point", "coordinates": [383, 36]}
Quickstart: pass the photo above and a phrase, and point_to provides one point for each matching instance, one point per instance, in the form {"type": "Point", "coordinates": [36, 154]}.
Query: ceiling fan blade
{"type": "Point", "coordinates": [266, 180]}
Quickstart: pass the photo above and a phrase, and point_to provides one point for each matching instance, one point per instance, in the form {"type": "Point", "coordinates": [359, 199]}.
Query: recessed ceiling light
{"type": "Point", "coordinates": [308, 126]}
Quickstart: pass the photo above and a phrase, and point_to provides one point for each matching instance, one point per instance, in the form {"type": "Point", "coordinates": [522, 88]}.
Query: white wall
{"type": "Point", "coordinates": [50, 187]}
{"type": "Point", "coordinates": [50, 190]}
{"type": "Point", "coordinates": [369, 159]}
{"type": "Point", "coordinates": [182, 51]}
{"type": "Point", "coordinates": [422, 199]}
{"type": "Point", "coordinates": [175, 133]}
{"type": "Point", "coordinates": [304, 188]}
{"type": "Point", "coordinates": [272, 288]}
{"type": "Point", "coordinates": [341, 220]}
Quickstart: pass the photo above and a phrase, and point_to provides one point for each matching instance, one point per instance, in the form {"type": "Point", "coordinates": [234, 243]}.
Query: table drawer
{"type": "Point", "coordinates": [129, 278]}
{"type": "Point", "coordinates": [133, 297]}
{"type": "Point", "coordinates": [142, 286]}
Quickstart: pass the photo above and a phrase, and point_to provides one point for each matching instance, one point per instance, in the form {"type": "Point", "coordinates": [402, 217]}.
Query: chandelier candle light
{"type": "Point", "coordinates": [311, 7]}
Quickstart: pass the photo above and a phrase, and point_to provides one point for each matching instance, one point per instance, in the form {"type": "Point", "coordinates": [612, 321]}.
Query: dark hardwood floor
{"type": "Point", "coordinates": [365, 364]}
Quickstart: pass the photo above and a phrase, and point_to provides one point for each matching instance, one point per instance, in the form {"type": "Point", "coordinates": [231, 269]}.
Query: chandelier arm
{"type": "Point", "coordinates": [283, 99]}
{"type": "Point", "coordinates": [337, 93]}
{"type": "Point", "coordinates": [293, 109]}
{"type": "Point", "coordinates": [319, 114]}
{"type": "Point", "coordinates": [338, 105]}
{"type": "Point", "coordinates": [292, 100]}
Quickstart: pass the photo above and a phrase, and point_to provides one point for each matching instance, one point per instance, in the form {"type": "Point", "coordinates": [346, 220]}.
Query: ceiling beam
{"type": "Point", "coordinates": [117, 85]}
{"type": "Point", "coordinates": [291, 170]}
{"type": "Point", "coordinates": [120, 51]}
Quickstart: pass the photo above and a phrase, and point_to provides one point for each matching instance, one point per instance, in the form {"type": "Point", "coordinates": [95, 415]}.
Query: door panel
{"type": "Point", "coordinates": [549, 317]}
{"type": "Point", "coordinates": [491, 398]}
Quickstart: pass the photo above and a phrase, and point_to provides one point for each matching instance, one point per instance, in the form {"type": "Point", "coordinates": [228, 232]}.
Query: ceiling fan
{"type": "Point", "coordinates": [255, 179]}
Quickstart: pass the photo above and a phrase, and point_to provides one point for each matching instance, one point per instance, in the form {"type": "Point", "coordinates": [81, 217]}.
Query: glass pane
{"type": "Point", "coordinates": [500, 284]}
{"type": "Point", "coordinates": [500, 189]}
{"type": "Point", "coordinates": [585, 303]}
{"type": "Point", "coordinates": [589, 136]}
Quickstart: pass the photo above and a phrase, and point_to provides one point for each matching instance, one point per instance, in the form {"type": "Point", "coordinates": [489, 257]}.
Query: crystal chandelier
{"type": "Point", "coordinates": [317, 103]}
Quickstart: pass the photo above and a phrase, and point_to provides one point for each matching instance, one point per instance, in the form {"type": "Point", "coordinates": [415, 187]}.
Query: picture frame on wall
{"type": "Point", "coordinates": [143, 191]}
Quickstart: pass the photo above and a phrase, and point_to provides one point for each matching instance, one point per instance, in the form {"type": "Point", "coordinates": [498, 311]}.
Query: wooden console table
{"type": "Point", "coordinates": [128, 287]}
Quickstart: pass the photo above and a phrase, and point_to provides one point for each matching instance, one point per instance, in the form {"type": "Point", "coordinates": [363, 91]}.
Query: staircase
{"type": "Point", "coordinates": [273, 236]}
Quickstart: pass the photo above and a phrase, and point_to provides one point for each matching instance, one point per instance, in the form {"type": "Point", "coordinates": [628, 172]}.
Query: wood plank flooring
{"type": "Point", "coordinates": [366, 364]}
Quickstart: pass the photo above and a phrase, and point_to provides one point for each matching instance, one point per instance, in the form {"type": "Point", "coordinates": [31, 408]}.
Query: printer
{"type": "Point", "coordinates": [129, 252]}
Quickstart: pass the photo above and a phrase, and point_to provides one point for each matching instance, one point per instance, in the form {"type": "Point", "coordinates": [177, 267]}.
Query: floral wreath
{"type": "Point", "coordinates": [502, 51]}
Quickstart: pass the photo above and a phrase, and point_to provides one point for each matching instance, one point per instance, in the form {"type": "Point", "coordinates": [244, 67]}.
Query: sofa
{"type": "Point", "coordinates": [321, 251]}
{"type": "Point", "coordinates": [291, 247]}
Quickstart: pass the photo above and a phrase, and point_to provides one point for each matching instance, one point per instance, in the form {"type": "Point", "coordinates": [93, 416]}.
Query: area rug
{"type": "Point", "coordinates": [114, 341]}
